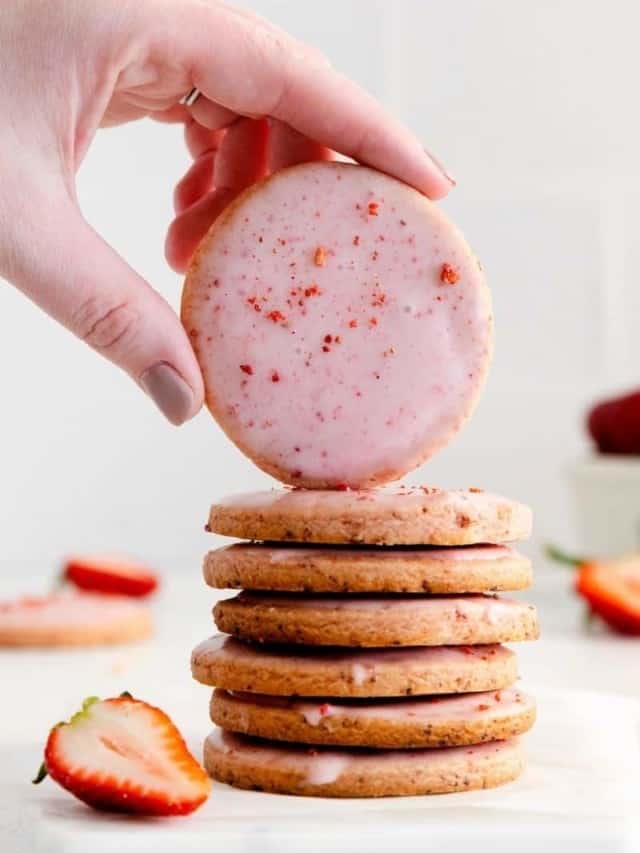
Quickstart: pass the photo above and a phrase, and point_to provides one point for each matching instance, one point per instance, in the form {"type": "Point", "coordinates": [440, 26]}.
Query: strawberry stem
{"type": "Point", "coordinates": [559, 556]}
{"type": "Point", "coordinates": [40, 775]}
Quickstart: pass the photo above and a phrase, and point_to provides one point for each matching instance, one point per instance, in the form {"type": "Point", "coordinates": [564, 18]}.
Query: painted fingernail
{"type": "Point", "coordinates": [168, 390]}
{"type": "Point", "coordinates": [440, 166]}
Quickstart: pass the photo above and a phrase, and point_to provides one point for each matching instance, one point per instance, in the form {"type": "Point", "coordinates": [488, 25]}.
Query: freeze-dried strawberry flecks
{"type": "Point", "coordinates": [338, 278]}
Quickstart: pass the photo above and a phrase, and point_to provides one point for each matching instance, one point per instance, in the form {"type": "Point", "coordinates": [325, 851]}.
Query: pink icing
{"type": "Point", "coordinates": [285, 555]}
{"type": "Point", "coordinates": [461, 707]}
{"type": "Point", "coordinates": [363, 663]}
{"type": "Point", "coordinates": [328, 764]}
{"type": "Point", "coordinates": [332, 344]}
{"type": "Point", "coordinates": [66, 609]}
{"type": "Point", "coordinates": [311, 502]}
{"type": "Point", "coordinates": [437, 608]}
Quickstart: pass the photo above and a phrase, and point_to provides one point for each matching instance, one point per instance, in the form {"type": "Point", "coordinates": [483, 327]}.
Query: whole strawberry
{"type": "Point", "coordinates": [614, 424]}
{"type": "Point", "coordinates": [123, 755]}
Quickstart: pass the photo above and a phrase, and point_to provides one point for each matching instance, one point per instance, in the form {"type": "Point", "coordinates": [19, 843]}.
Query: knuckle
{"type": "Point", "coordinates": [105, 327]}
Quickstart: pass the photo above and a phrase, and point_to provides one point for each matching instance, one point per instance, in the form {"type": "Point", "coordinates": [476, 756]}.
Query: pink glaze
{"type": "Point", "coordinates": [65, 609]}
{"type": "Point", "coordinates": [342, 324]}
{"type": "Point", "coordinates": [437, 608]}
{"type": "Point", "coordinates": [280, 554]}
{"type": "Point", "coordinates": [363, 663]}
{"type": "Point", "coordinates": [327, 765]}
{"type": "Point", "coordinates": [340, 502]}
{"type": "Point", "coordinates": [469, 707]}
{"type": "Point", "coordinates": [313, 503]}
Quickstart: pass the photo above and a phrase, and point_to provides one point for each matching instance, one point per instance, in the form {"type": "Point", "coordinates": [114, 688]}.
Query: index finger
{"type": "Point", "coordinates": [256, 70]}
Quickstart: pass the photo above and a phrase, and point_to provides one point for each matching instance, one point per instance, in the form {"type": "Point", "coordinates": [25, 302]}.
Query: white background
{"type": "Point", "coordinates": [533, 107]}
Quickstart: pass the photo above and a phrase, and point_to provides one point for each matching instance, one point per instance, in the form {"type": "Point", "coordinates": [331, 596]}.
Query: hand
{"type": "Point", "coordinates": [72, 66]}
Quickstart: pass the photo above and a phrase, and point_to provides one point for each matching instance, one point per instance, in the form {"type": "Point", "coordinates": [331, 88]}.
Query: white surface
{"type": "Point", "coordinates": [582, 786]}
{"type": "Point", "coordinates": [583, 775]}
{"type": "Point", "coordinates": [531, 105]}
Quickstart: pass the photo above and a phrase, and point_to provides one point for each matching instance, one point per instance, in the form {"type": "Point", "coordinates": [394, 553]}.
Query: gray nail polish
{"type": "Point", "coordinates": [440, 166]}
{"type": "Point", "coordinates": [168, 390]}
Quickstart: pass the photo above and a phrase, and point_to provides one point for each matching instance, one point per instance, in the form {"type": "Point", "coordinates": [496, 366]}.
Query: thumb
{"type": "Point", "coordinates": [71, 273]}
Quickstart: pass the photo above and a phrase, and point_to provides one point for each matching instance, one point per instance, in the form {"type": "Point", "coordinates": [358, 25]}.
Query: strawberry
{"type": "Point", "coordinates": [611, 588]}
{"type": "Point", "coordinates": [124, 755]}
{"type": "Point", "coordinates": [111, 576]}
{"type": "Point", "coordinates": [614, 424]}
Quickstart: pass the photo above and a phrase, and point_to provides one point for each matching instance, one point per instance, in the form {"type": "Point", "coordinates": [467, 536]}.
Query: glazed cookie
{"type": "Point", "coordinates": [457, 720]}
{"type": "Point", "coordinates": [342, 354]}
{"type": "Point", "coordinates": [296, 671]}
{"type": "Point", "coordinates": [289, 568]}
{"type": "Point", "coordinates": [397, 515]}
{"type": "Point", "coordinates": [393, 620]}
{"type": "Point", "coordinates": [296, 769]}
{"type": "Point", "coordinates": [73, 619]}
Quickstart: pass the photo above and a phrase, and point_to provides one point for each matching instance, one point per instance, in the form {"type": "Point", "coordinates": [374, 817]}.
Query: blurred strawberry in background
{"type": "Point", "coordinates": [111, 576]}
{"type": "Point", "coordinates": [614, 424]}
{"type": "Point", "coordinates": [611, 588]}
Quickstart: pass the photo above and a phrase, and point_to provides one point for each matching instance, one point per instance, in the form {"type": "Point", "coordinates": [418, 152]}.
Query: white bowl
{"type": "Point", "coordinates": [606, 499]}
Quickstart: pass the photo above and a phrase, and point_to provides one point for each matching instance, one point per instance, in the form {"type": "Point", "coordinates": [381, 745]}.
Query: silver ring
{"type": "Point", "coordinates": [191, 97]}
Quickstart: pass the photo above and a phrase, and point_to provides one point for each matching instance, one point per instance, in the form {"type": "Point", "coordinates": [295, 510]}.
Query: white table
{"type": "Point", "coordinates": [575, 729]}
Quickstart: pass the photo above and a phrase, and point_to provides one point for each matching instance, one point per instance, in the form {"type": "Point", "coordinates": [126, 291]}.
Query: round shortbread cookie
{"type": "Point", "coordinates": [316, 671]}
{"type": "Point", "coordinates": [382, 620]}
{"type": "Point", "coordinates": [290, 568]}
{"type": "Point", "coordinates": [323, 772]}
{"type": "Point", "coordinates": [400, 515]}
{"type": "Point", "coordinates": [73, 619]}
{"type": "Point", "coordinates": [342, 325]}
{"type": "Point", "coordinates": [454, 720]}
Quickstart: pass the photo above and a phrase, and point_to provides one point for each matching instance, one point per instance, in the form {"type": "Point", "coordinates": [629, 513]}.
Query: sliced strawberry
{"type": "Point", "coordinates": [612, 590]}
{"type": "Point", "coordinates": [111, 576]}
{"type": "Point", "coordinates": [124, 755]}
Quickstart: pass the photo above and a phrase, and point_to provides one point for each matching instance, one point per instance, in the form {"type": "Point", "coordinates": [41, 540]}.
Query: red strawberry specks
{"type": "Point", "coordinates": [448, 275]}
{"type": "Point", "coordinates": [372, 208]}
{"type": "Point", "coordinates": [320, 256]}
{"type": "Point", "coordinates": [246, 368]}
{"type": "Point", "coordinates": [353, 324]}
{"type": "Point", "coordinates": [276, 316]}
{"type": "Point", "coordinates": [275, 376]}
{"type": "Point", "coordinates": [324, 709]}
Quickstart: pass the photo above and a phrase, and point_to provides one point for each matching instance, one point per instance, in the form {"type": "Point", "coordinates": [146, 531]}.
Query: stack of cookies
{"type": "Point", "coordinates": [365, 654]}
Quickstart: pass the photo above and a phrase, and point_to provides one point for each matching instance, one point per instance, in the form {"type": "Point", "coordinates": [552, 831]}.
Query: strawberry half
{"type": "Point", "coordinates": [611, 588]}
{"type": "Point", "coordinates": [124, 755]}
{"type": "Point", "coordinates": [110, 576]}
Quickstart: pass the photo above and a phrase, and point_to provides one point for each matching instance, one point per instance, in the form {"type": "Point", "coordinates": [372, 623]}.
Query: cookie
{"type": "Point", "coordinates": [454, 720]}
{"type": "Point", "coordinates": [298, 671]}
{"type": "Point", "coordinates": [73, 619]}
{"type": "Point", "coordinates": [342, 325]}
{"type": "Point", "coordinates": [397, 515]}
{"type": "Point", "coordinates": [295, 769]}
{"type": "Point", "coordinates": [287, 568]}
{"type": "Point", "coordinates": [383, 620]}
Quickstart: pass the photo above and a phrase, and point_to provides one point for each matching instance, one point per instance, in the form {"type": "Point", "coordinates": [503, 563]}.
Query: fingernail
{"type": "Point", "coordinates": [169, 392]}
{"type": "Point", "coordinates": [440, 166]}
